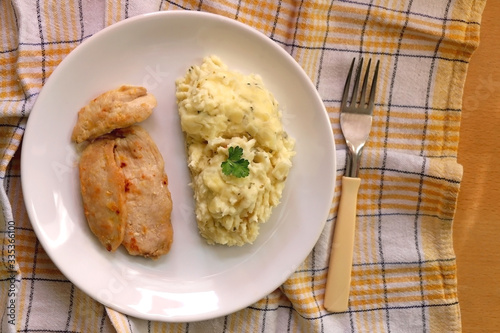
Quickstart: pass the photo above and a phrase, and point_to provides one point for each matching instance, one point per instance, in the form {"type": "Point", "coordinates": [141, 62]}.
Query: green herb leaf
{"type": "Point", "coordinates": [235, 165]}
{"type": "Point", "coordinates": [235, 153]}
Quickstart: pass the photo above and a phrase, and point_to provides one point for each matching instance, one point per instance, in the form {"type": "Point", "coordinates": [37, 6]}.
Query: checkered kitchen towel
{"type": "Point", "coordinates": [404, 276]}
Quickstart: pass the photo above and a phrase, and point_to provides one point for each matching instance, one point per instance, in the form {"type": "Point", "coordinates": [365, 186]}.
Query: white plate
{"type": "Point", "coordinates": [194, 281]}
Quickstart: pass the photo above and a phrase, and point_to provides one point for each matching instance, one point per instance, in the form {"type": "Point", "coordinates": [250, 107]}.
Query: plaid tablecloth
{"type": "Point", "coordinates": [404, 275]}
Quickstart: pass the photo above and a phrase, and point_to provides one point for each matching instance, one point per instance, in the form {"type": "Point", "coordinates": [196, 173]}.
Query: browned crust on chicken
{"type": "Point", "coordinates": [148, 231]}
{"type": "Point", "coordinates": [102, 183]}
{"type": "Point", "coordinates": [117, 108]}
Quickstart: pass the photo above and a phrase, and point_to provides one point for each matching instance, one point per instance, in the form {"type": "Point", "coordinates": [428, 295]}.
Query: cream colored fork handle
{"type": "Point", "coordinates": [338, 280]}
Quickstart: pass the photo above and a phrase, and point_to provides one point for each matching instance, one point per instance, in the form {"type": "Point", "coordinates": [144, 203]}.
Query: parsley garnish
{"type": "Point", "coordinates": [235, 165]}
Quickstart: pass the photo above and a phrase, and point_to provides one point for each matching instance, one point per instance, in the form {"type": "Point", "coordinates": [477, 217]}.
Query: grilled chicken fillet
{"type": "Point", "coordinates": [117, 108]}
{"type": "Point", "coordinates": [102, 182]}
{"type": "Point", "coordinates": [148, 231]}
{"type": "Point", "coordinates": [125, 192]}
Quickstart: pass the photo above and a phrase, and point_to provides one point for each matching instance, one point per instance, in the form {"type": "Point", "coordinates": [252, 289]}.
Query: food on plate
{"type": "Point", "coordinates": [101, 183]}
{"type": "Point", "coordinates": [229, 118]}
{"type": "Point", "coordinates": [125, 192]}
{"type": "Point", "coordinates": [123, 182]}
{"type": "Point", "coordinates": [113, 109]}
{"type": "Point", "coordinates": [148, 231]}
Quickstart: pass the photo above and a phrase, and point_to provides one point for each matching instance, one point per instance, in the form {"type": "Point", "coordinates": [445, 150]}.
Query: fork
{"type": "Point", "coordinates": [355, 122]}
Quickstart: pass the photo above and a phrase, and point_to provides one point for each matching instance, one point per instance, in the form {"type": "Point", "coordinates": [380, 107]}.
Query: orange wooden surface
{"type": "Point", "coordinates": [477, 222]}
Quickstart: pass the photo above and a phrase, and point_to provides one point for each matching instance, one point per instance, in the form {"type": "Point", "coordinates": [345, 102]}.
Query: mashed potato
{"type": "Point", "coordinates": [219, 109]}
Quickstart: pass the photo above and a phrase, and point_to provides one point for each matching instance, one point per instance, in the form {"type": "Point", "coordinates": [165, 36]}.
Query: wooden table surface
{"type": "Point", "coordinates": [476, 226]}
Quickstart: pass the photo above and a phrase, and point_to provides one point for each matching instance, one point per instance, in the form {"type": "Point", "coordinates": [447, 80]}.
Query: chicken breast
{"type": "Point", "coordinates": [113, 109]}
{"type": "Point", "coordinates": [148, 230]}
{"type": "Point", "coordinates": [102, 187]}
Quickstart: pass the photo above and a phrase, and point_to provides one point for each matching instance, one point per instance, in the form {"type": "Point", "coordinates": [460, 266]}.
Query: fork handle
{"type": "Point", "coordinates": [338, 280]}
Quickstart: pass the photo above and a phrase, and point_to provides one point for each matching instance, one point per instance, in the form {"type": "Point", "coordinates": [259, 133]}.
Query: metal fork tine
{"type": "Point", "coordinates": [374, 87]}
{"type": "Point", "coordinates": [356, 83]}
{"type": "Point", "coordinates": [345, 95]}
{"type": "Point", "coordinates": [362, 100]}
